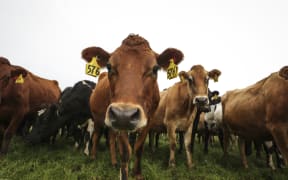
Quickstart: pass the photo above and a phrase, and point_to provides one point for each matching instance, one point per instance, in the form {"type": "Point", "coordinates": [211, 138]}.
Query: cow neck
{"type": "Point", "coordinates": [190, 99]}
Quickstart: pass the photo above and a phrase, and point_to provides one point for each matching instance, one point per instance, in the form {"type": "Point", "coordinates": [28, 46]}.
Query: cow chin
{"type": "Point", "coordinates": [125, 117]}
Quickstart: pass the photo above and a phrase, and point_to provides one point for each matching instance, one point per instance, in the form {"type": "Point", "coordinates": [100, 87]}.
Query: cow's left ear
{"type": "Point", "coordinates": [16, 72]}
{"type": "Point", "coordinates": [284, 72]}
{"type": "Point", "coordinates": [214, 74]}
{"type": "Point", "coordinates": [163, 59]}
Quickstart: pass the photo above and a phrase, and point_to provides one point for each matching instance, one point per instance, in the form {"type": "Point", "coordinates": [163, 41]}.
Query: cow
{"type": "Point", "coordinates": [72, 111]}
{"type": "Point", "coordinates": [178, 106]}
{"type": "Point", "coordinates": [21, 93]}
{"type": "Point", "coordinates": [258, 112]}
{"type": "Point", "coordinates": [127, 95]}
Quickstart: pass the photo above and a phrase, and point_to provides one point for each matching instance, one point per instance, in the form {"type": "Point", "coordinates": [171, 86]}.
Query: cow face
{"type": "Point", "coordinates": [8, 73]}
{"type": "Point", "coordinates": [132, 73]}
{"type": "Point", "coordinates": [198, 79]}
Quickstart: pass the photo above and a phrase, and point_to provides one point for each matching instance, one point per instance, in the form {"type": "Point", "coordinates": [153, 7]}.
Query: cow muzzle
{"type": "Point", "coordinates": [122, 116]}
{"type": "Point", "coordinates": [202, 103]}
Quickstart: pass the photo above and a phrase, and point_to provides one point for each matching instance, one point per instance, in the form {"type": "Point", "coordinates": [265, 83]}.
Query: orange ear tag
{"type": "Point", "coordinates": [93, 68]}
{"type": "Point", "coordinates": [19, 80]}
{"type": "Point", "coordinates": [172, 70]}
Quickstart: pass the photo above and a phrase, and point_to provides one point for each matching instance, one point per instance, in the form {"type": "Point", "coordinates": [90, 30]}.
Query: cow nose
{"type": "Point", "coordinates": [202, 100]}
{"type": "Point", "coordinates": [124, 118]}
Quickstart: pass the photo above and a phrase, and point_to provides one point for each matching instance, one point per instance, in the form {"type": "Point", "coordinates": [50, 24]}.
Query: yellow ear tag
{"type": "Point", "coordinates": [19, 80]}
{"type": "Point", "coordinates": [93, 68]}
{"type": "Point", "coordinates": [215, 78]}
{"type": "Point", "coordinates": [172, 70]}
{"type": "Point", "coordinates": [214, 97]}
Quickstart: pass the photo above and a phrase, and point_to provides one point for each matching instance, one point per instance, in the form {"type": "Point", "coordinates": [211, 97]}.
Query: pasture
{"type": "Point", "coordinates": [62, 161]}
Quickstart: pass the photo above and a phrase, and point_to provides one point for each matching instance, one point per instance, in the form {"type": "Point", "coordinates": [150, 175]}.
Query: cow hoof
{"type": "Point", "coordinates": [191, 166]}
{"type": "Point", "coordinates": [172, 164]}
{"type": "Point", "coordinates": [115, 165]}
{"type": "Point", "coordinates": [139, 177]}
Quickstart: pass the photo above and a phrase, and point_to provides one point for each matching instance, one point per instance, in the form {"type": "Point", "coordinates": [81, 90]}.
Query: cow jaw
{"type": "Point", "coordinates": [125, 116]}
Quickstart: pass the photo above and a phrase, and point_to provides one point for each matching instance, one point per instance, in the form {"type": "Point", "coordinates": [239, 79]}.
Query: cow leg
{"type": "Point", "coordinates": [280, 136]}
{"type": "Point", "coordinates": [187, 140]}
{"type": "Point", "coordinates": [95, 140]}
{"type": "Point", "coordinates": [11, 130]}
{"type": "Point", "coordinates": [151, 140]}
{"type": "Point", "coordinates": [157, 136]}
{"type": "Point", "coordinates": [206, 139]}
{"type": "Point", "coordinates": [269, 149]}
{"type": "Point", "coordinates": [172, 141]}
{"type": "Point", "coordinates": [112, 144]}
{"type": "Point", "coordinates": [279, 157]}
{"type": "Point", "coordinates": [125, 153]}
{"type": "Point", "coordinates": [138, 149]}
{"type": "Point", "coordinates": [226, 138]}
{"type": "Point", "coordinates": [181, 141]}
{"type": "Point", "coordinates": [241, 144]}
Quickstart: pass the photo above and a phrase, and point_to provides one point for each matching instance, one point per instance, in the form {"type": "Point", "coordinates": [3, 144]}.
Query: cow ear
{"type": "Point", "coordinates": [163, 59]}
{"type": "Point", "coordinates": [214, 74]}
{"type": "Point", "coordinates": [284, 72]}
{"type": "Point", "coordinates": [183, 75]}
{"type": "Point", "coordinates": [17, 72]}
{"type": "Point", "coordinates": [101, 54]}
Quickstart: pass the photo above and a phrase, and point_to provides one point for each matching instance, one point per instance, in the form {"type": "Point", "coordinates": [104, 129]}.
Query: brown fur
{"type": "Point", "coordinates": [177, 110]}
{"type": "Point", "coordinates": [19, 99]}
{"type": "Point", "coordinates": [131, 83]}
{"type": "Point", "coordinates": [258, 112]}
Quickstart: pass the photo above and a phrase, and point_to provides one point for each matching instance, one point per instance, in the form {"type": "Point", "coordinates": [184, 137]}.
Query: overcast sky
{"type": "Point", "coordinates": [247, 40]}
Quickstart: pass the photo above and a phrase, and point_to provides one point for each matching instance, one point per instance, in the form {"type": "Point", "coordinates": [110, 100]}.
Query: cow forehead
{"type": "Point", "coordinates": [198, 71]}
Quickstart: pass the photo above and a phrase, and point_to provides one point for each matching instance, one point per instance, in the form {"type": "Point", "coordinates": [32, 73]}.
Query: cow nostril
{"type": "Point", "coordinates": [202, 100]}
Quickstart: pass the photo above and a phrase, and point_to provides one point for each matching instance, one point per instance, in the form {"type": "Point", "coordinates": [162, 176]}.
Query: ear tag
{"type": "Point", "coordinates": [19, 80]}
{"type": "Point", "coordinates": [214, 97]}
{"type": "Point", "coordinates": [215, 78]}
{"type": "Point", "coordinates": [93, 68]}
{"type": "Point", "coordinates": [172, 70]}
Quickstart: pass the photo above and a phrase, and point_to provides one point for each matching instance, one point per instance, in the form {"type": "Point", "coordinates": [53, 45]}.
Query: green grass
{"type": "Point", "coordinates": [62, 161]}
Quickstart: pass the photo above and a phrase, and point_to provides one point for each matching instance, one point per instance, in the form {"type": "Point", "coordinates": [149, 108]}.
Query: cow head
{"type": "Point", "coordinates": [132, 73]}
{"type": "Point", "coordinates": [214, 97]}
{"type": "Point", "coordinates": [198, 79]}
{"type": "Point", "coordinates": [8, 73]}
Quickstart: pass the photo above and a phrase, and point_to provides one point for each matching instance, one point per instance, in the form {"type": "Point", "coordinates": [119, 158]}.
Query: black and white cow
{"type": "Point", "coordinates": [72, 112]}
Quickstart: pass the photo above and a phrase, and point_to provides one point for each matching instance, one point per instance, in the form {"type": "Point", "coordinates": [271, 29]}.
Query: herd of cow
{"type": "Point", "coordinates": [127, 100]}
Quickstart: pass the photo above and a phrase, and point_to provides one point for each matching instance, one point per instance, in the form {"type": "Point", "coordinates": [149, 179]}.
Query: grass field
{"type": "Point", "coordinates": [61, 161]}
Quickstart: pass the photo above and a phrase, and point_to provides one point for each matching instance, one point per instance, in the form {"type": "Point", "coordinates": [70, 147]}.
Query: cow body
{"type": "Point", "coordinates": [179, 103]}
{"type": "Point", "coordinates": [258, 112]}
{"type": "Point", "coordinates": [19, 99]}
{"type": "Point", "coordinates": [126, 97]}
{"type": "Point", "coordinates": [71, 112]}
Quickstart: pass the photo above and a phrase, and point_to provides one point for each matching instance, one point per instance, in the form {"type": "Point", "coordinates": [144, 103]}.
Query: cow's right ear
{"type": "Point", "coordinates": [101, 54]}
{"type": "Point", "coordinates": [284, 72]}
{"type": "Point", "coordinates": [183, 76]}
{"type": "Point", "coordinates": [16, 72]}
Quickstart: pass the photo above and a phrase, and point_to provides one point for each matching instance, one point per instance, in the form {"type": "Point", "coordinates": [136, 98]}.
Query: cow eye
{"type": "Point", "coordinates": [190, 79]}
{"type": "Point", "coordinates": [109, 67]}
{"type": "Point", "coordinates": [155, 69]}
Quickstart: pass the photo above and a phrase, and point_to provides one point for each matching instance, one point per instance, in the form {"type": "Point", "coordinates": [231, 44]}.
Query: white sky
{"type": "Point", "coordinates": [246, 40]}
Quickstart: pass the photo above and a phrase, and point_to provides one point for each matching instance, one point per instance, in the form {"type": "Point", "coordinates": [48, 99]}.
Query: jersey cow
{"type": "Point", "coordinates": [128, 95]}
{"type": "Point", "coordinates": [258, 112]}
{"type": "Point", "coordinates": [21, 92]}
{"type": "Point", "coordinates": [179, 105]}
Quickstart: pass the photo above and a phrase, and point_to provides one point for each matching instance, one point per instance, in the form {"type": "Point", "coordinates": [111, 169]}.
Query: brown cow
{"type": "Point", "coordinates": [258, 112]}
{"type": "Point", "coordinates": [128, 96]}
{"type": "Point", "coordinates": [178, 106]}
{"type": "Point", "coordinates": [20, 99]}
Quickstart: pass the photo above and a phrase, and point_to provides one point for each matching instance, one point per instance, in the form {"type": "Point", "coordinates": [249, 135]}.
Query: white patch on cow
{"type": "Point", "coordinates": [30, 129]}
{"type": "Point", "coordinates": [41, 111]}
{"type": "Point", "coordinates": [86, 150]}
{"type": "Point", "coordinates": [76, 145]}
{"type": "Point", "coordinates": [90, 127]}
{"type": "Point", "coordinates": [214, 118]}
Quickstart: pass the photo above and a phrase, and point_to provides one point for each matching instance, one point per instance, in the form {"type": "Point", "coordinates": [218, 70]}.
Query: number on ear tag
{"type": "Point", "coordinates": [19, 80]}
{"type": "Point", "coordinates": [172, 70]}
{"type": "Point", "coordinates": [92, 68]}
